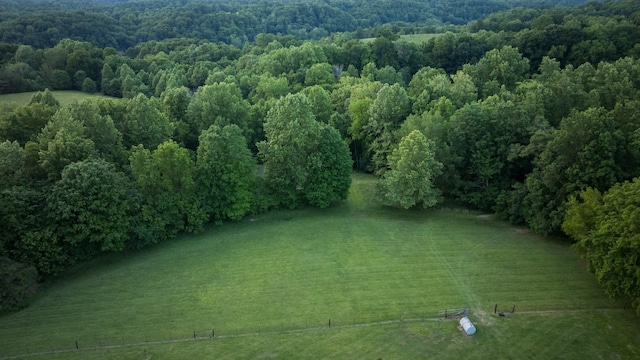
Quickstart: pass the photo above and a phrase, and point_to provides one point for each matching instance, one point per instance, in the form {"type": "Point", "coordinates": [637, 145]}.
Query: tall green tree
{"type": "Point", "coordinates": [100, 129]}
{"type": "Point", "coordinates": [387, 112]}
{"type": "Point", "coordinates": [291, 132]}
{"type": "Point", "coordinates": [92, 208]}
{"type": "Point", "coordinates": [412, 170]}
{"type": "Point", "coordinates": [25, 122]}
{"type": "Point", "coordinates": [217, 104]}
{"type": "Point", "coordinates": [300, 165]}
{"type": "Point", "coordinates": [225, 173]}
{"type": "Point", "coordinates": [144, 123]}
{"type": "Point", "coordinates": [165, 179]}
{"type": "Point", "coordinates": [585, 152]}
{"type": "Point", "coordinates": [481, 138]}
{"type": "Point", "coordinates": [605, 227]}
{"type": "Point", "coordinates": [498, 67]}
{"type": "Point", "coordinates": [63, 141]}
{"type": "Point", "coordinates": [330, 167]}
{"type": "Point", "coordinates": [320, 102]}
{"type": "Point", "coordinates": [12, 158]}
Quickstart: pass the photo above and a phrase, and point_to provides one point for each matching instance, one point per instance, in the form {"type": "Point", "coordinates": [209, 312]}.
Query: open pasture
{"type": "Point", "coordinates": [65, 97]}
{"type": "Point", "coordinates": [269, 286]}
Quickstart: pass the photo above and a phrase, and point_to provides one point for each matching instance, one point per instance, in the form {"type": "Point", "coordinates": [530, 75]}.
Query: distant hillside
{"type": "Point", "coordinates": [124, 23]}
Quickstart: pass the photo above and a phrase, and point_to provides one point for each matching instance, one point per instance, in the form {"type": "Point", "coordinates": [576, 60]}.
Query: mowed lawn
{"type": "Point", "coordinates": [269, 285]}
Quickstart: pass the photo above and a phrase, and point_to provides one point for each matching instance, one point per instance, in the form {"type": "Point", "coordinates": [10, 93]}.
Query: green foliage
{"type": "Point", "coordinates": [390, 107]}
{"type": "Point", "coordinates": [91, 208]}
{"type": "Point", "coordinates": [100, 129]}
{"type": "Point", "coordinates": [25, 122]}
{"type": "Point", "coordinates": [144, 123]}
{"type": "Point", "coordinates": [21, 207]}
{"type": "Point", "coordinates": [270, 87]}
{"type": "Point", "coordinates": [498, 67]}
{"type": "Point", "coordinates": [217, 104]}
{"type": "Point", "coordinates": [480, 138]}
{"type": "Point", "coordinates": [89, 86]}
{"type": "Point", "coordinates": [18, 285]}
{"type": "Point", "coordinates": [320, 74]}
{"type": "Point", "coordinates": [46, 98]}
{"type": "Point", "coordinates": [12, 159]}
{"type": "Point", "coordinates": [225, 173]}
{"type": "Point", "coordinates": [320, 103]}
{"type": "Point", "coordinates": [605, 227]}
{"type": "Point", "coordinates": [583, 153]}
{"type": "Point", "coordinates": [303, 159]}
{"type": "Point", "coordinates": [330, 167]}
{"type": "Point", "coordinates": [290, 130]}
{"type": "Point", "coordinates": [63, 141]}
{"type": "Point", "coordinates": [412, 169]}
{"type": "Point", "coordinates": [165, 179]}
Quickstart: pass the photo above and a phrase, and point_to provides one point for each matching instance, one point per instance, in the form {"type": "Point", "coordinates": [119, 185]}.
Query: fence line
{"type": "Point", "coordinates": [213, 333]}
{"type": "Point", "coordinates": [79, 345]}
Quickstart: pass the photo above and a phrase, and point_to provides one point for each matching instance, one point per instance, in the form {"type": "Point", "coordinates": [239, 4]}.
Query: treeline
{"type": "Point", "coordinates": [124, 24]}
{"type": "Point", "coordinates": [573, 36]}
{"type": "Point", "coordinates": [108, 175]}
{"type": "Point", "coordinates": [552, 146]}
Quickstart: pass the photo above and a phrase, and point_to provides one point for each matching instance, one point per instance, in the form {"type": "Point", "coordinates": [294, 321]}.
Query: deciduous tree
{"type": "Point", "coordinates": [412, 169]}
{"type": "Point", "coordinates": [92, 208]}
{"type": "Point", "coordinates": [605, 227]}
{"type": "Point", "coordinates": [301, 165]}
{"type": "Point", "coordinates": [165, 179]}
{"type": "Point", "coordinates": [224, 173]}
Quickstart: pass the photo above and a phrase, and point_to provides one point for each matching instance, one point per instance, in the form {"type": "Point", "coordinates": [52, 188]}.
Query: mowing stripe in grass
{"type": "Point", "coordinates": [296, 269]}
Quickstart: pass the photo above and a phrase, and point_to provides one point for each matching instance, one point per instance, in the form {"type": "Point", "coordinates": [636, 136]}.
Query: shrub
{"type": "Point", "coordinates": [18, 285]}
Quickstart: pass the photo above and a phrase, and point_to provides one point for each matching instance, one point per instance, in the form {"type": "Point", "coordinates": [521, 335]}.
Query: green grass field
{"type": "Point", "coordinates": [269, 285]}
{"type": "Point", "coordinates": [65, 97]}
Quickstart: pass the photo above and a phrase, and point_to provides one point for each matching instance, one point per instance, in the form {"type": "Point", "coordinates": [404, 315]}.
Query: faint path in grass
{"type": "Point", "coordinates": [469, 298]}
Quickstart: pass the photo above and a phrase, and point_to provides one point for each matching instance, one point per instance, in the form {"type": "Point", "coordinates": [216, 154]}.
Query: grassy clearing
{"type": "Point", "coordinates": [353, 264]}
{"type": "Point", "coordinates": [65, 97]}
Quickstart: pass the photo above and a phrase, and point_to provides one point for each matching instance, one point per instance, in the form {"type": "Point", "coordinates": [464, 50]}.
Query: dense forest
{"type": "Point", "coordinates": [124, 23]}
{"type": "Point", "coordinates": [530, 114]}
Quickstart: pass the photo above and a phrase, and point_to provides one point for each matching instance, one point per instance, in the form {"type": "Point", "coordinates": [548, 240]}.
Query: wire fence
{"type": "Point", "coordinates": [27, 347]}
{"type": "Point", "coordinates": [23, 348]}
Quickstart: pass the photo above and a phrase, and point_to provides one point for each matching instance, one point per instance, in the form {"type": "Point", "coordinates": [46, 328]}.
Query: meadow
{"type": "Point", "coordinates": [65, 97]}
{"type": "Point", "coordinates": [352, 281]}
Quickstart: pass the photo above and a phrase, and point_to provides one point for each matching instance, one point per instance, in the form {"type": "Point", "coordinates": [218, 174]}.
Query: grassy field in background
{"type": "Point", "coordinates": [269, 285]}
{"type": "Point", "coordinates": [65, 97]}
